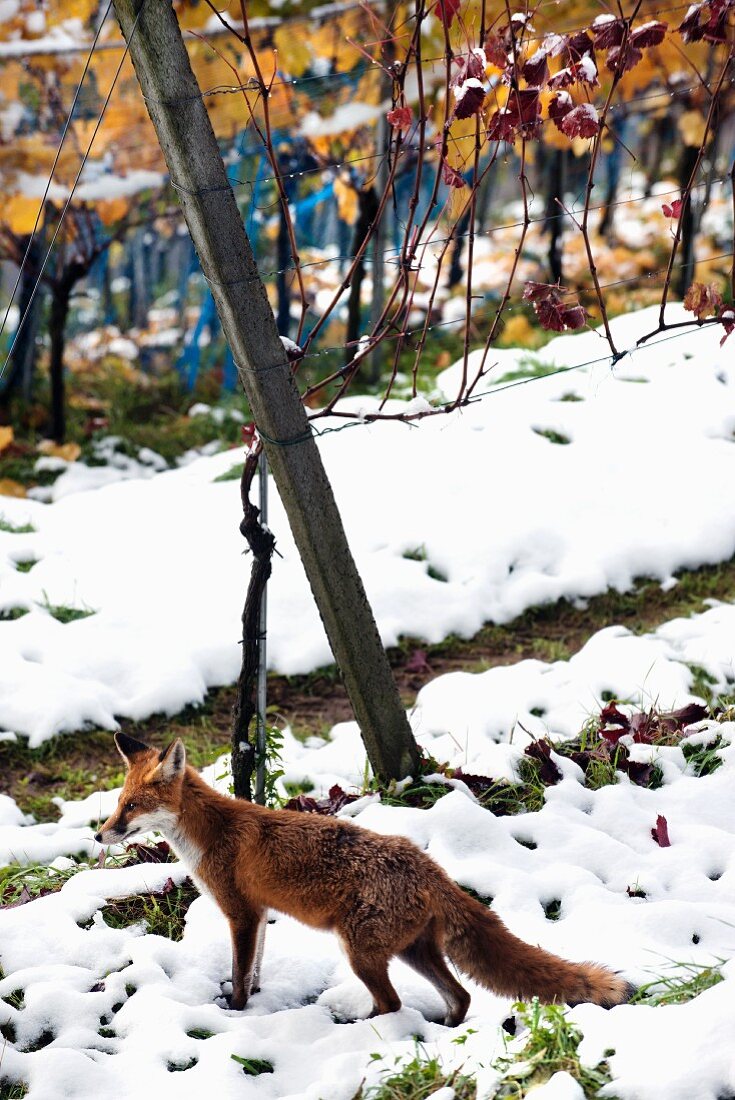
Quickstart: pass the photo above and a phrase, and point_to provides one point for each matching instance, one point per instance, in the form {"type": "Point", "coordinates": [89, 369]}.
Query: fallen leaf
{"type": "Point", "coordinates": [660, 832]}
{"type": "Point", "coordinates": [6, 437]}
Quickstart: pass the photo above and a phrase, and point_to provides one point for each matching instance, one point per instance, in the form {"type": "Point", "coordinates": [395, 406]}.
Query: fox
{"type": "Point", "coordinates": [381, 895]}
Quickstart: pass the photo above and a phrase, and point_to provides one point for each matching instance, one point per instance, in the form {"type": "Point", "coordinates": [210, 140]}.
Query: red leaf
{"type": "Point", "coordinates": [540, 292]}
{"type": "Point", "coordinates": [707, 21]}
{"type": "Point", "coordinates": [580, 45]}
{"type": "Point", "coordinates": [649, 34]}
{"type": "Point", "coordinates": [549, 771]}
{"type": "Point", "coordinates": [451, 176]}
{"type": "Point", "coordinates": [619, 61]}
{"type": "Point", "coordinates": [727, 319]}
{"type": "Point", "coordinates": [551, 315]}
{"type": "Point", "coordinates": [470, 97]}
{"type": "Point", "coordinates": [559, 107]}
{"type": "Point", "coordinates": [608, 31]}
{"type": "Point", "coordinates": [660, 832]}
{"type": "Point", "coordinates": [400, 118]}
{"type": "Point", "coordinates": [536, 69]}
{"type": "Point", "coordinates": [562, 79]}
{"type": "Point", "coordinates": [446, 11]}
{"type": "Point", "coordinates": [673, 210]}
{"type": "Point", "coordinates": [496, 51]}
{"type": "Point", "coordinates": [248, 434]}
{"type": "Point", "coordinates": [520, 115]}
{"type": "Point", "coordinates": [581, 121]}
{"type": "Point", "coordinates": [574, 317]}
{"type": "Point", "coordinates": [168, 886]}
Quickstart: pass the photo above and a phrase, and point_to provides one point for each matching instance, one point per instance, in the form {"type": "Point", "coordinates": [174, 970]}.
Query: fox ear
{"type": "Point", "coordinates": [172, 761]}
{"type": "Point", "coordinates": [128, 747]}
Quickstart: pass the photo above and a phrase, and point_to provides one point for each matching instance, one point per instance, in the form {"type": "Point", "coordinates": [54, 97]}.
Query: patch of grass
{"type": "Point", "coordinates": [529, 366]}
{"type": "Point", "coordinates": [10, 614]}
{"type": "Point", "coordinates": [32, 881]}
{"type": "Point", "coordinates": [162, 914]}
{"type": "Point", "coordinates": [233, 474]}
{"type": "Point", "coordinates": [200, 1033]}
{"type": "Point", "coordinates": [26, 566]}
{"type": "Point", "coordinates": [482, 898]}
{"type": "Point", "coordinates": [688, 982]}
{"type": "Point", "coordinates": [16, 528]}
{"type": "Point", "coordinates": [552, 1047]}
{"type": "Point", "coordinates": [418, 1079]}
{"type": "Point", "coordinates": [65, 614]}
{"type": "Point", "coordinates": [703, 759]}
{"type": "Point", "coordinates": [553, 436]}
{"type": "Point", "coordinates": [181, 1067]}
{"type": "Point", "coordinates": [12, 1090]}
{"type": "Point", "coordinates": [571, 397]}
{"type": "Point", "coordinates": [419, 554]}
{"type": "Point", "coordinates": [701, 683]}
{"type": "Point", "coordinates": [552, 909]}
{"type": "Point", "coordinates": [253, 1067]}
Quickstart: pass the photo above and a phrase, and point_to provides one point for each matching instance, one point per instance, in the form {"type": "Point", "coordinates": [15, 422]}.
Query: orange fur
{"type": "Point", "coordinates": [380, 894]}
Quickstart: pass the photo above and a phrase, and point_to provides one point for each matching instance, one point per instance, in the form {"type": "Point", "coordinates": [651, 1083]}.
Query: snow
{"type": "Point", "coordinates": [644, 486]}
{"type": "Point", "coordinates": [78, 974]}
{"type": "Point", "coordinates": [524, 521]}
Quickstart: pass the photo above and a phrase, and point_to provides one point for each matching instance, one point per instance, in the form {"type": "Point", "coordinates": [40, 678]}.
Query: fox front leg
{"type": "Point", "coordinates": [259, 945]}
{"type": "Point", "coordinates": [244, 932]}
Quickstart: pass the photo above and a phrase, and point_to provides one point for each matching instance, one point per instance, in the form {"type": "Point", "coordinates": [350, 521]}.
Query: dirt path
{"type": "Point", "coordinates": [73, 765]}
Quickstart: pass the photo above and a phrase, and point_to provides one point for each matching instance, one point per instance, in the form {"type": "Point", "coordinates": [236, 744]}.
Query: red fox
{"type": "Point", "coordinates": [381, 895]}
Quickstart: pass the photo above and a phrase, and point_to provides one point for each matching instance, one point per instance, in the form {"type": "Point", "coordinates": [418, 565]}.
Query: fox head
{"type": "Point", "coordinates": [151, 796]}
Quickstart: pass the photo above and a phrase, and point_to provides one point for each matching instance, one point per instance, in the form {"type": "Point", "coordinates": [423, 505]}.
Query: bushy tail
{"type": "Point", "coordinates": [478, 942]}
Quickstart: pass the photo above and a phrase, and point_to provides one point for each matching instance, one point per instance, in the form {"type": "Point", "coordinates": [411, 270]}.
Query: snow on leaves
{"type": "Point", "coordinates": [521, 117]}
{"type": "Point", "coordinates": [468, 84]}
{"type": "Point", "coordinates": [554, 313]}
{"type": "Point", "coordinates": [581, 121]}
{"type": "Point", "coordinates": [706, 22]}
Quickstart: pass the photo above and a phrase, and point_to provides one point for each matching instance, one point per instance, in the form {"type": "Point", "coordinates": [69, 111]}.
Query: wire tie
{"type": "Point", "coordinates": [292, 442]}
{"type": "Point", "coordinates": [200, 191]}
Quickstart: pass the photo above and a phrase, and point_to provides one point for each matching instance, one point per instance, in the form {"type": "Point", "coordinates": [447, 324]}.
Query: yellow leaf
{"type": "Point", "coordinates": [19, 214]}
{"type": "Point", "coordinates": [10, 488]}
{"type": "Point", "coordinates": [70, 452]}
{"type": "Point", "coordinates": [691, 126]}
{"type": "Point", "coordinates": [6, 438]}
{"type": "Point", "coordinates": [112, 210]}
{"type": "Point", "coordinates": [458, 199]}
{"type": "Point", "coordinates": [294, 56]}
{"type": "Point", "coordinates": [346, 197]}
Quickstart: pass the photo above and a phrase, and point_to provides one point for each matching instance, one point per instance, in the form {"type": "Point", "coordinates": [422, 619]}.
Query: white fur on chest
{"type": "Point", "coordinates": [188, 852]}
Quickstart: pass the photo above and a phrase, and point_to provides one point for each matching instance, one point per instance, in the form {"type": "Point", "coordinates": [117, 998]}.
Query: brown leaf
{"type": "Point", "coordinates": [703, 300]}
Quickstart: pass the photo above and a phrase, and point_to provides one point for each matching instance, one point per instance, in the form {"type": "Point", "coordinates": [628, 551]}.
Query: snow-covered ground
{"type": "Point", "coordinates": [152, 998]}
{"type": "Point", "coordinates": [644, 486]}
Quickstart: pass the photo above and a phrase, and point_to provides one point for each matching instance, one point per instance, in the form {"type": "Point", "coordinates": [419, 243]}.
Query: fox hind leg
{"type": "Point", "coordinates": [426, 957]}
{"type": "Point", "coordinates": [373, 972]}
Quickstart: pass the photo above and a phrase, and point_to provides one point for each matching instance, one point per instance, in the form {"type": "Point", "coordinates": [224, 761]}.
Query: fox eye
{"type": "Point", "coordinates": [131, 806]}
